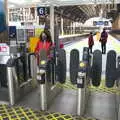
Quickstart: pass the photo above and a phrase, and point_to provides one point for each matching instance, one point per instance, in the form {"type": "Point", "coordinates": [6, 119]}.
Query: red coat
{"type": "Point", "coordinates": [61, 44]}
{"type": "Point", "coordinates": [43, 45]}
{"type": "Point", "coordinates": [90, 40]}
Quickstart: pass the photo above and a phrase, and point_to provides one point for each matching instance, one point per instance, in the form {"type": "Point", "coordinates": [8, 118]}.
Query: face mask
{"type": "Point", "coordinates": [44, 37]}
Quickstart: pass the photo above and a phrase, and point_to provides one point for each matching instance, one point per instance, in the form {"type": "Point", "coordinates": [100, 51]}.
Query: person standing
{"type": "Point", "coordinates": [103, 40]}
{"type": "Point", "coordinates": [90, 42]}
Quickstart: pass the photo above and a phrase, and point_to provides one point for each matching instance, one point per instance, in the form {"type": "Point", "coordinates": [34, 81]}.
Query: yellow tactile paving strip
{"type": "Point", "coordinates": [22, 113]}
{"type": "Point", "coordinates": [114, 43]}
{"type": "Point", "coordinates": [101, 88]}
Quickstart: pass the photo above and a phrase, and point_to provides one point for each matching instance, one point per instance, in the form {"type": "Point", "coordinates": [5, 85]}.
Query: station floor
{"type": "Point", "coordinates": [103, 103]}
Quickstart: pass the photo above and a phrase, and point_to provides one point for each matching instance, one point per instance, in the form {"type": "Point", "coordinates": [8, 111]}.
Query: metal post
{"type": "Point", "coordinates": [7, 11]}
{"type": "Point", "coordinates": [119, 112]}
{"type": "Point", "coordinates": [43, 97]}
{"type": "Point", "coordinates": [10, 86]}
{"type": "Point", "coordinates": [62, 26]}
{"type": "Point", "coordinates": [43, 94]}
{"type": "Point", "coordinates": [52, 22]}
{"type": "Point", "coordinates": [81, 98]}
{"type": "Point", "coordinates": [71, 28]}
{"type": "Point", "coordinates": [79, 101]}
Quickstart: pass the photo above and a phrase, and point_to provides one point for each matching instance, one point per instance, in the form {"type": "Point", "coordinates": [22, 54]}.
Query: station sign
{"type": "Point", "coordinates": [4, 49]}
{"type": "Point", "coordinates": [105, 23]}
{"type": "Point", "coordinates": [41, 11]}
{"type": "Point", "coordinates": [95, 23]}
{"type": "Point", "coordinates": [12, 32]}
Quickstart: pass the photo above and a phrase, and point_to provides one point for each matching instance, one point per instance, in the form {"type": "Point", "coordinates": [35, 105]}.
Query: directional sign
{"type": "Point", "coordinates": [41, 11]}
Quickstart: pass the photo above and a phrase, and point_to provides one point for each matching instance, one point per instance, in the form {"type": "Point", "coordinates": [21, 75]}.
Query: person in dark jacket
{"type": "Point", "coordinates": [90, 42]}
{"type": "Point", "coordinates": [103, 40]}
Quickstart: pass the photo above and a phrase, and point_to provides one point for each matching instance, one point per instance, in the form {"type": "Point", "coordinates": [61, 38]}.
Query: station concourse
{"type": "Point", "coordinates": [70, 83]}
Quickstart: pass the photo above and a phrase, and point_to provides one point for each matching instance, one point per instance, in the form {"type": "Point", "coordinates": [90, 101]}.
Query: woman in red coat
{"type": "Point", "coordinates": [90, 42]}
{"type": "Point", "coordinates": [45, 42]}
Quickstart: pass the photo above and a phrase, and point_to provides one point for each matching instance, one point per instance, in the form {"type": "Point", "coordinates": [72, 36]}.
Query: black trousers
{"type": "Point", "coordinates": [103, 46]}
{"type": "Point", "coordinates": [90, 48]}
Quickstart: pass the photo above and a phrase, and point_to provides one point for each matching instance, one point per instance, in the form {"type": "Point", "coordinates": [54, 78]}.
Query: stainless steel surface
{"type": "Point", "coordinates": [15, 77]}
{"type": "Point", "coordinates": [79, 101]}
{"type": "Point", "coordinates": [43, 97]}
{"type": "Point", "coordinates": [10, 86]}
{"type": "Point", "coordinates": [52, 92]}
{"type": "Point", "coordinates": [102, 106]}
{"type": "Point", "coordinates": [4, 102]}
{"type": "Point", "coordinates": [55, 73]}
{"type": "Point", "coordinates": [48, 94]}
{"type": "Point", "coordinates": [119, 113]}
{"type": "Point", "coordinates": [118, 100]}
{"type": "Point", "coordinates": [33, 64]}
{"type": "Point", "coordinates": [82, 94]}
{"type": "Point", "coordinates": [51, 73]}
{"type": "Point", "coordinates": [52, 22]}
{"type": "Point", "coordinates": [65, 102]}
{"type": "Point", "coordinates": [25, 83]}
{"type": "Point", "coordinates": [4, 59]}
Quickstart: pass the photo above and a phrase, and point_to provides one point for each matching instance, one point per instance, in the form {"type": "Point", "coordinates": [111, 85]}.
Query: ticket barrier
{"type": "Point", "coordinates": [82, 85]}
{"type": "Point", "coordinates": [48, 86]}
{"type": "Point", "coordinates": [48, 91]}
{"type": "Point", "coordinates": [118, 84]}
{"type": "Point", "coordinates": [19, 78]}
{"type": "Point", "coordinates": [79, 72]}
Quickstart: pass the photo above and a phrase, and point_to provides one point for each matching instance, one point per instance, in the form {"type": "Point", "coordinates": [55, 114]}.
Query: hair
{"type": "Point", "coordinates": [48, 36]}
{"type": "Point", "coordinates": [104, 29]}
{"type": "Point", "coordinates": [91, 33]}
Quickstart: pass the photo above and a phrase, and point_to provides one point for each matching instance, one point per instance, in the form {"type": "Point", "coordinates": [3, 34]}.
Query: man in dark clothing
{"type": "Point", "coordinates": [103, 40]}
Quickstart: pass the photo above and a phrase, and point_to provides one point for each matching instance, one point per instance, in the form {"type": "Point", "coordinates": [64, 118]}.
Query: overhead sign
{"type": "Point", "coordinates": [4, 49]}
{"type": "Point", "coordinates": [12, 32]}
{"type": "Point", "coordinates": [95, 23]}
{"type": "Point", "coordinates": [41, 11]}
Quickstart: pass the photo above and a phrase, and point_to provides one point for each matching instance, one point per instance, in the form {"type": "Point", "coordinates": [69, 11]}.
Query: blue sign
{"type": "Point", "coordinates": [41, 11]}
{"type": "Point", "coordinates": [95, 23]}
{"type": "Point", "coordinates": [12, 31]}
{"type": "Point", "coordinates": [2, 16]}
{"type": "Point", "coordinates": [99, 23]}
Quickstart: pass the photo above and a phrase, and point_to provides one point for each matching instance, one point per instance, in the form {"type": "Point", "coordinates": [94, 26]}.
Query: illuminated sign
{"type": "Point", "coordinates": [4, 49]}
{"type": "Point", "coordinates": [41, 11]}
{"type": "Point", "coordinates": [95, 23]}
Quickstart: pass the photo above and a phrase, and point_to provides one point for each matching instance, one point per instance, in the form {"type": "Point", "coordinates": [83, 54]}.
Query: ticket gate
{"type": "Point", "coordinates": [48, 86]}
{"type": "Point", "coordinates": [87, 75]}
{"type": "Point", "coordinates": [79, 71]}
{"type": "Point", "coordinates": [18, 73]}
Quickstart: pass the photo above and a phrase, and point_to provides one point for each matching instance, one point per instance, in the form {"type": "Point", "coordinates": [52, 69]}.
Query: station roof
{"type": "Point", "coordinates": [61, 2]}
{"type": "Point", "coordinates": [77, 10]}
